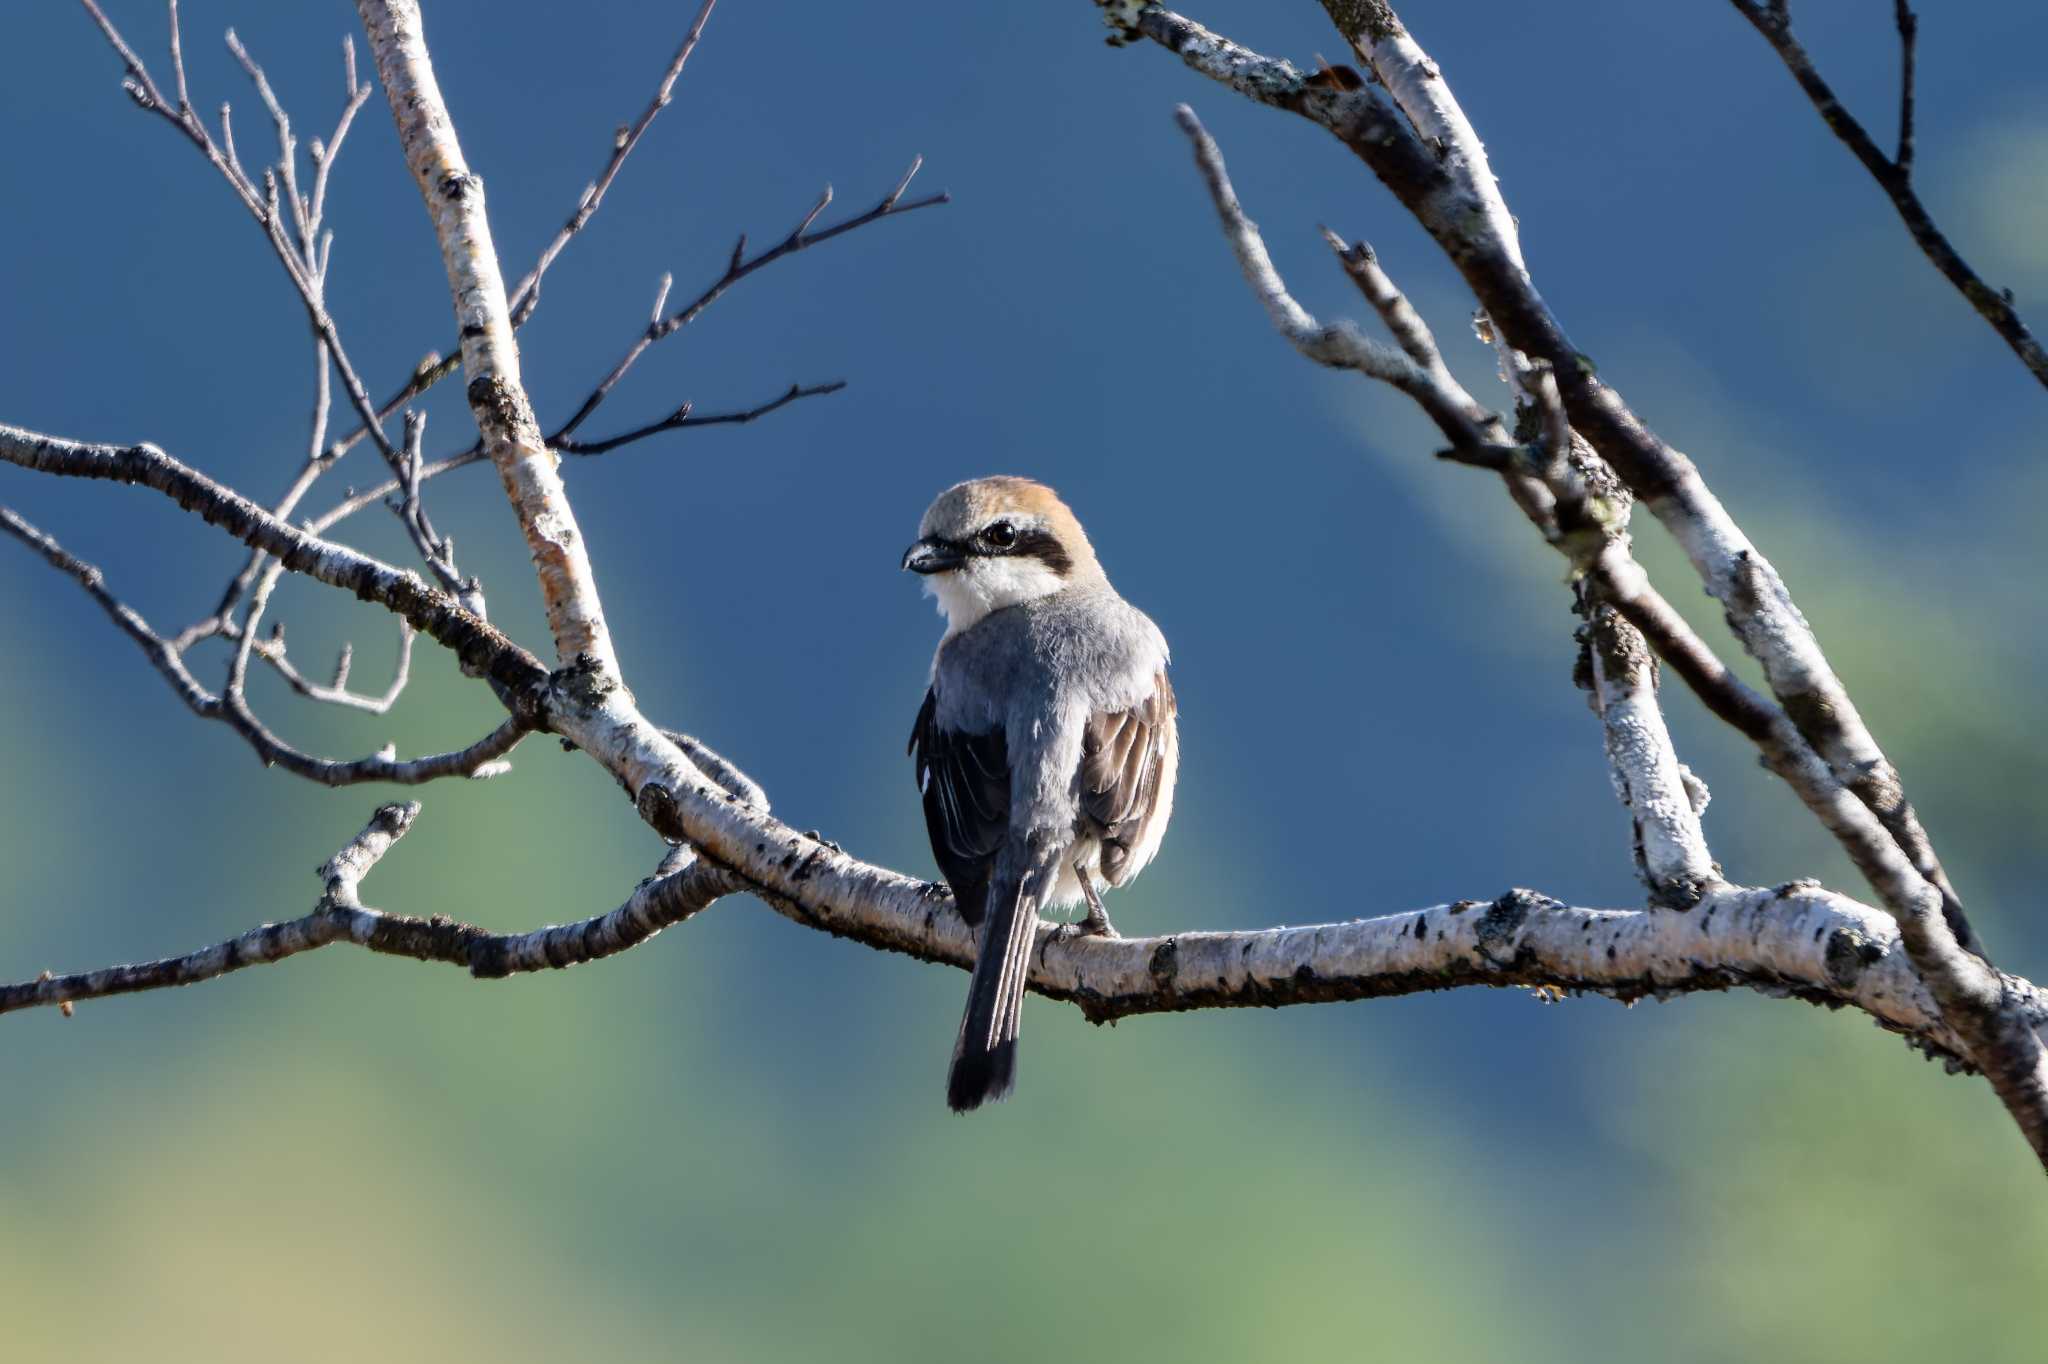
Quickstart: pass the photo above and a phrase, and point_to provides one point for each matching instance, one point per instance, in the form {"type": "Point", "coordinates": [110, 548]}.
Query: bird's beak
{"type": "Point", "coordinates": [931, 555]}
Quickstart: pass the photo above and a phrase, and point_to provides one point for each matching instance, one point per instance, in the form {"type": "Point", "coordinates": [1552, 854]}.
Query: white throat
{"type": "Point", "coordinates": [970, 592]}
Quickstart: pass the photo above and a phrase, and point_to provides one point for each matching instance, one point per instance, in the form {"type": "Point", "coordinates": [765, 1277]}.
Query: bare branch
{"type": "Point", "coordinates": [1909, 37]}
{"type": "Point", "coordinates": [479, 760]}
{"type": "Point", "coordinates": [737, 269]}
{"type": "Point", "coordinates": [527, 295]}
{"type": "Point", "coordinates": [178, 60]}
{"type": "Point", "coordinates": [287, 148]}
{"type": "Point", "coordinates": [1339, 345]}
{"type": "Point", "coordinates": [1620, 677]}
{"type": "Point", "coordinates": [714, 765]}
{"type": "Point", "coordinates": [1670, 847]}
{"type": "Point", "coordinates": [1571, 496]}
{"type": "Point", "coordinates": [340, 916]}
{"type": "Point", "coordinates": [1753, 596]}
{"type": "Point", "coordinates": [1895, 175]}
{"type": "Point", "coordinates": [1796, 941]}
{"type": "Point", "coordinates": [324, 153]}
{"type": "Point", "coordinates": [481, 647]}
{"type": "Point", "coordinates": [304, 261]}
{"type": "Point", "coordinates": [497, 396]}
{"type": "Point", "coordinates": [1885, 838]}
{"type": "Point", "coordinates": [432, 469]}
{"type": "Point", "coordinates": [337, 693]}
{"type": "Point", "coordinates": [1400, 65]}
{"type": "Point", "coordinates": [161, 654]}
{"type": "Point", "coordinates": [684, 417]}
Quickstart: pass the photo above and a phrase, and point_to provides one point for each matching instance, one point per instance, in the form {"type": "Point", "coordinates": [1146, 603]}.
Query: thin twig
{"type": "Point", "coordinates": [684, 417]}
{"type": "Point", "coordinates": [1909, 35]}
{"type": "Point", "coordinates": [303, 261]}
{"type": "Point", "coordinates": [738, 268]}
{"type": "Point", "coordinates": [432, 469]}
{"type": "Point", "coordinates": [526, 296]}
{"type": "Point", "coordinates": [1895, 176]}
{"type": "Point", "coordinates": [480, 760]}
{"type": "Point", "coordinates": [271, 650]}
{"type": "Point", "coordinates": [340, 916]}
{"type": "Point", "coordinates": [479, 645]}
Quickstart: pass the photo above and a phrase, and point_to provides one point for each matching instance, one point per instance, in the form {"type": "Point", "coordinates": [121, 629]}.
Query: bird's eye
{"type": "Point", "coordinates": [1001, 535]}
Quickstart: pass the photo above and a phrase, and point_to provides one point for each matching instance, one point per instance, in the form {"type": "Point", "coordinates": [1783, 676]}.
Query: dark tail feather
{"type": "Point", "coordinates": [985, 1055]}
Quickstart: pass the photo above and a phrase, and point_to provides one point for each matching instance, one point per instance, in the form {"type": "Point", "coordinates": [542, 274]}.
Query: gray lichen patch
{"type": "Point", "coordinates": [1363, 20]}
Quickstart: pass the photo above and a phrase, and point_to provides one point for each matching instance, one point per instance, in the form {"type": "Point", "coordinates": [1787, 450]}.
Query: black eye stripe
{"type": "Point", "coordinates": [1031, 543]}
{"type": "Point", "coordinates": [1045, 547]}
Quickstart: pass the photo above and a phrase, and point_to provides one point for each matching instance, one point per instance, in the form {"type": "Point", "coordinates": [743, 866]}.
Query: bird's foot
{"type": "Point", "coordinates": [1097, 924]}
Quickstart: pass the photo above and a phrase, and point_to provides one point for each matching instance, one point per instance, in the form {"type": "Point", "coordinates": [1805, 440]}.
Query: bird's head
{"type": "Point", "coordinates": [996, 542]}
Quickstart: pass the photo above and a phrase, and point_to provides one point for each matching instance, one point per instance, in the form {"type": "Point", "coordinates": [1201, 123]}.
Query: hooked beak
{"type": "Point", "coordinates": [932, 554]}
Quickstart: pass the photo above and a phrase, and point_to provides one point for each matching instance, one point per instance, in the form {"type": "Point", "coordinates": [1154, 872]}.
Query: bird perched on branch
{"type": "Point", "coordinates": [1046, 749]}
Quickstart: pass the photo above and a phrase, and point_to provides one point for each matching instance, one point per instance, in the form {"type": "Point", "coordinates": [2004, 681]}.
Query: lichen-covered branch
{"type": "Point", "coordinates": [1889, 844]}
{"type": "Point", "coordinates": [1795, 941]}
{"type": "Point", "coordinates": [1749, 589]}
{"type": "Point", "coordinates": [1546, 481]}
{"type": "Point", "coordinates": [1400, 65]}
{"type": "Point", "coordinates": [1663, 799]}
{"type": "Point", "coordinates": [490, 356]}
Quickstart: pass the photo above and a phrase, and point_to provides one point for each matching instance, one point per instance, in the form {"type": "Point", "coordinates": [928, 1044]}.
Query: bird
{"type": "Point", "coordinates": [1046, 749]}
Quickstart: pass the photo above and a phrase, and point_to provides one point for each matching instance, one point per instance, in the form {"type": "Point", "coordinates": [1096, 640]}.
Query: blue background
{"type": "Point", "coordinates": [730, 1143]}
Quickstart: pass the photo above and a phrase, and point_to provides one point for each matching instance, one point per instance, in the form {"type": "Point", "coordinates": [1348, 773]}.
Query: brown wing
{"type": "Point", "coordinates": [1124, 756]}
{"type": "Point", "coordinates": [965, 781]}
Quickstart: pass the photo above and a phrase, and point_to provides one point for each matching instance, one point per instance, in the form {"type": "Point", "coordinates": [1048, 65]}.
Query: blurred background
{"type": "Point", "coordinates": [730, 1143]}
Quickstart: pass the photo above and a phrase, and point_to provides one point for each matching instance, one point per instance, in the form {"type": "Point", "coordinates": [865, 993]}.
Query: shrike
{"type": "Point", "coordinates": [1046, 749]}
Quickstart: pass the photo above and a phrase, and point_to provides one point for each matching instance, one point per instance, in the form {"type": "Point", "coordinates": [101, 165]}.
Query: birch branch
{"type": "Point", "coordinates": [436, 367]}
{"type": "Point", "coordinates": [1891, 847]}
{"type": "Point", "coordinates": [1663, 799]}
{"type": "Point", "coordinates": [1749, 589]}
{"type": "Point", "coordinates": [1794, 942]}
{"type": "Point", "coordinates": [490, 356]}
{"type": "Point", "coordinates": [1554, 487]}
{"type": "Point", "coordinates": [1932, 923]}
{"type": "Point", "coordinates": [1825, 953]}
{"type": "Point", "coordinates": [281, 212]}
{"type": "Point", "coordinates": [340, 916]}
{"type": "Point", "coordinates": [1400, 65]}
